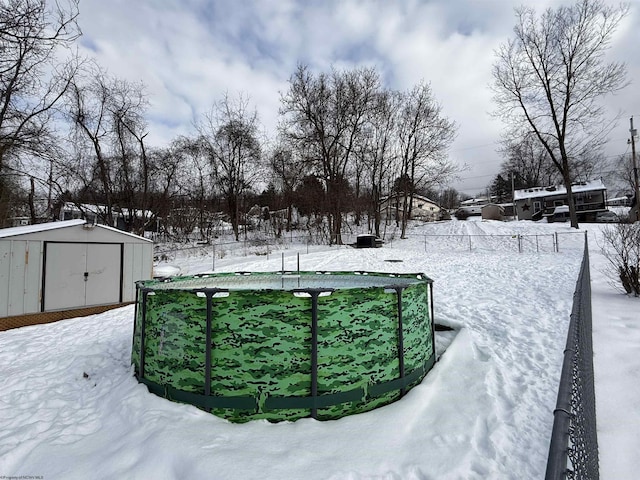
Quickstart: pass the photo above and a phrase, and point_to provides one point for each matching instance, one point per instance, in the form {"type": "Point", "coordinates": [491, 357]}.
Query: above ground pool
{"type": "Point", "coordinates": [283, 346]}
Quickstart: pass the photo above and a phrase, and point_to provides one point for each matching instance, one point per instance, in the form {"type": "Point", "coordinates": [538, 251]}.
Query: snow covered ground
{"type": "Point", "coordinates": [71, 409]}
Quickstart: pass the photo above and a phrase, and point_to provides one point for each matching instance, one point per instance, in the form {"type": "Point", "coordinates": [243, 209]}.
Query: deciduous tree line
{"type": "Point", "coordinates": [71, 132]}
{"type": "Point", "coordinates": [342, 143]}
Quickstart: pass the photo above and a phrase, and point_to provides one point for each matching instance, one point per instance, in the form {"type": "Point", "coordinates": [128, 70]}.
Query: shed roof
{"type": "Point", "coordinates": [42, 227]}
{"type": "Point", "coordinates": [537, 192]}
{"type": "Point", "coordinates": [39, 227]}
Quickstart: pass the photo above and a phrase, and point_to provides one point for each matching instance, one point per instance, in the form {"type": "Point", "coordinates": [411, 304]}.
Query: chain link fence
{"type": "Point", "coordinates": [291, 244]}
{"type": "Point", "coordinates": [222, 252]}
{"type": "Point", "coordinates": [573, 451]}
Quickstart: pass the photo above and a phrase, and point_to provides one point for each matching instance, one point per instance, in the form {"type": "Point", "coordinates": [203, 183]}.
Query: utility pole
{"type": "Point", "coordinates": [635, 213]}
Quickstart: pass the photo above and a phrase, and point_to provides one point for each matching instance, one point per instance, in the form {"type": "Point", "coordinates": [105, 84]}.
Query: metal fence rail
{"type": "Point", "coordinates": [573, 451]}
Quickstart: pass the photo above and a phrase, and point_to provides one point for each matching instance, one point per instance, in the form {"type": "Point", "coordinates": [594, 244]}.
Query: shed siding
{"type": "Point", "coordinates": [5, 267]}
{"type": "Point", "coordinates": [32, 291]}
{"type": "Point", "coordinates": [20, 264]}
{"type": "Point", "coordinates": [132, 256]}
{"type": "Point", "coordinates": [138, 265]}
{"type": "Point", "coordinates": [18, 277]}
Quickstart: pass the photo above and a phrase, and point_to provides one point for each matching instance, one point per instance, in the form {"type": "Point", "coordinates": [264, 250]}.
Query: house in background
{"type": "Point", "coordinates": [542, 202]}
{"type": "Point", "coordinates": [422, 208]}
{"type": "Point", "coordinates": [621, 201]}
{"type": "Point", "coordinates": [122, 217]}
{"type": "Point", "coordinates": [476, 201]}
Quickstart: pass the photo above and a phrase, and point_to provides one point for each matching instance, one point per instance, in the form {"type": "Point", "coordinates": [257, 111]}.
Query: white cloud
{"type": "Point", "coordinates": [190, 53]}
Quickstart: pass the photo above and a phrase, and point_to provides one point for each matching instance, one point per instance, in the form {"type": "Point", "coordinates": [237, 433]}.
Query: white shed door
{"type": "Point", "coordinates": [81, 274]}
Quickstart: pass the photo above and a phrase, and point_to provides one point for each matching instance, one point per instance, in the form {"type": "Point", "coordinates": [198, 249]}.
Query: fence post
{"type": "Point", "coordinates": [557, 245]}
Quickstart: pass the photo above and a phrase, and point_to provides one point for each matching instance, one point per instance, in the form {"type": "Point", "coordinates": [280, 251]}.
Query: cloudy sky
{"type": "Point", "coordinates": [189, 53]}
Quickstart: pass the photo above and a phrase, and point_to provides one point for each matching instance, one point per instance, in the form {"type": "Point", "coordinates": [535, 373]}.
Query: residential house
{"type": "Point", "coordinates": [93, 214]}
{"type": "Point", "coordinates": [422, 208]}
{"type": "Point", "coordinates": [542, 202]}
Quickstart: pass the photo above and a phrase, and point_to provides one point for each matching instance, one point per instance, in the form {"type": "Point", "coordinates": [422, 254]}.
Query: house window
{"type": "Point", "coordinates": [537, 206]}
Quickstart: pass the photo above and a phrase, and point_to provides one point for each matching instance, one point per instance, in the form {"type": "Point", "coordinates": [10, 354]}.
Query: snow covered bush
{"type": "Point", "coordinates": [622, 250]}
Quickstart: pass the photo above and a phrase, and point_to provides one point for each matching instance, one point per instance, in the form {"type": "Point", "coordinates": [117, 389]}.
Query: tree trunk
{"type": "Point", "coordinates": [573, 215]}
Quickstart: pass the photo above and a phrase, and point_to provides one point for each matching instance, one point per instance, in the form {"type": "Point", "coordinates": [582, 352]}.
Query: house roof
{"type": "Point", "coordinates": [537, 192]}
{"type": "Point", "coordinates": [42, 227]}
{"type": "Point", "coordinates": [415, 197]}
{"type": "Point", "coordinates": [473, 202]}
{"type": "Point", "coordinates": [102, 209]}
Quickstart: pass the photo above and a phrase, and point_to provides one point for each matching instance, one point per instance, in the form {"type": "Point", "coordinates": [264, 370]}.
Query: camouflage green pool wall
{"type": "Point", "coordinates": [283, 354]}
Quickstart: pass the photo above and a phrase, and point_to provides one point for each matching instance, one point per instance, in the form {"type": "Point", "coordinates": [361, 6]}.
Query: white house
{"type": "Point", "coordinates": [422, 208]}
{"type": "Point", "coordinates": [94, 213]}
{"type": "Point", "coordinates": [69, 265]}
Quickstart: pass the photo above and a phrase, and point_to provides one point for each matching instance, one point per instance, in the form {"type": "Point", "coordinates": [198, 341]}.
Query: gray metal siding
{"type": "Point", "coordinates": [20, 267]}
{"type": "Point", "coordinates": [22, 256]}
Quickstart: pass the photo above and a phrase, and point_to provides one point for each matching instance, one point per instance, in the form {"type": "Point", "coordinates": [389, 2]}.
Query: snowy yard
{"type": "Point", "coordinates": [71, 409]}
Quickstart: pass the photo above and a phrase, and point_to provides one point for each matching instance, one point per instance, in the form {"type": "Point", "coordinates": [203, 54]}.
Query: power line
{"type": "Point", "coordinates": [473, 147]}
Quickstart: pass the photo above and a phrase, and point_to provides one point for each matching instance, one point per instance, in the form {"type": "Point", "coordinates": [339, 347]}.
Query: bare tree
{"type": "Point", "coordinates": [449, 198]}
{"type": "Point", "coordinates": [619, 172]}
{"type": "Point", "coordinates": [288, 170]}
{"type": "Point", "coordinates": [230, 137]}
{"type": "Point", "coordinates": [528, 161]}
{"type": "Point", "coordinates": [378, 151]}
{"type": "Point", "coordinates": [112, 159]}
{"type": "Point", "coordinates": [424, 135]}
{"type": "Point", "coordinates": [89, 103]}
{"type": "Point", "coordinates": [323, 116]}
{"type": "Point", "coordinates": [133, 176]}
{"type": "Point", "coordinates": [549, 78]}
{"type": "Point", "coordinates": [196, 189]}
{"type": "Point", "coordinates": [33, 79]}
{"type": "Point", "coordinates": [621, 247]}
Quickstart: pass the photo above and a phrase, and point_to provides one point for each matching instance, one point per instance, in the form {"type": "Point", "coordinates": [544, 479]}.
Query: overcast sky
{"type": "Point", "coordinates": [189, 53]}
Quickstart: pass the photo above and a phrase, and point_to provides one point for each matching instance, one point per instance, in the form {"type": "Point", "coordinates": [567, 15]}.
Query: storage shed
{"type": "Point", "coordinates": [492, 211]}
{"type": "Point", "coordinates": [68, 265]}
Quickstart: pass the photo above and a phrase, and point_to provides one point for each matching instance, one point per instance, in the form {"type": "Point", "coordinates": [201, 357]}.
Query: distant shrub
{"type": "Point", "coordinates": [622, 250]}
